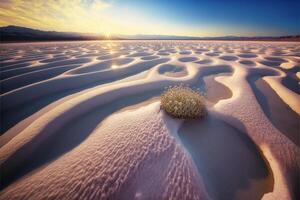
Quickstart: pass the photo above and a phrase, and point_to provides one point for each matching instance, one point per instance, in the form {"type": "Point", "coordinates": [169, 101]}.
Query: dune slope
{"type": "Point", "coordinates": [82, 120]}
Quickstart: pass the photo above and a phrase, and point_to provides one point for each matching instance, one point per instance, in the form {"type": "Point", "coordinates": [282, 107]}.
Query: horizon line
{"type": "Point", "coordinates": [155, 35]}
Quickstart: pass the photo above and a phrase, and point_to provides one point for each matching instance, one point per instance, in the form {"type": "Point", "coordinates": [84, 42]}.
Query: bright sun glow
{"type": "Point", "coordinates": [114, 66]}
{"type": "Point", "coordinates": [107, 36]}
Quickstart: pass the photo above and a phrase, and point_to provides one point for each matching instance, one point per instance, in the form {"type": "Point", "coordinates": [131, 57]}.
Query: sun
{"type": "Point", "coordinates": [114, 66]}
{"type": "Point", "coordinates": [107, 36]}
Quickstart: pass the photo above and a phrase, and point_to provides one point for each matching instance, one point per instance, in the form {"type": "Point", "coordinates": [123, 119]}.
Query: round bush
{"type": "Point", "coordinates": [183, 102]}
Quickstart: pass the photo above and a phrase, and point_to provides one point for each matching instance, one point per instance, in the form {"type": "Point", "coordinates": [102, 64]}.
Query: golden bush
{"type": "Point", "coordinates": [183, 102]}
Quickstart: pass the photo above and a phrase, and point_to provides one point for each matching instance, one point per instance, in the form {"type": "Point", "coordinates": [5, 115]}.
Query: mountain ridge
{"type": "Point", "coordinates": [20, 34]}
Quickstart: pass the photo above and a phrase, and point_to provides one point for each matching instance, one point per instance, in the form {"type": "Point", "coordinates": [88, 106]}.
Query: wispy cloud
{"type": "Point", "coordinates": [97, 16]}
{"type": "Point", "coordinates": [64, 15]}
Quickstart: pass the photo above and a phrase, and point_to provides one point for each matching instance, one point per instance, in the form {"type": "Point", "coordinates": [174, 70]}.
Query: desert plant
{"type": "Point", "coordinates": [183, 102]}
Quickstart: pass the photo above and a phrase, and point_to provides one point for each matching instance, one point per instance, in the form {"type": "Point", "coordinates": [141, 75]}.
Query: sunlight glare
{"type": "Point", "coordinates": [107, 36]}
{"type": "Point", "coordinates": [114, 66]}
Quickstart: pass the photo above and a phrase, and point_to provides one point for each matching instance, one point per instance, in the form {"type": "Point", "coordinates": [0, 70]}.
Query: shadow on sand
{"type": "Point", "coordinates": [229, 162]}
{"type": "Point", "coordinates": [69, 136]}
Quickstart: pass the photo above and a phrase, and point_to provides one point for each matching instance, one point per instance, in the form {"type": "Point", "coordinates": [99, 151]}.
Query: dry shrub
{"type": "Point", "coordinates": [183, 102]}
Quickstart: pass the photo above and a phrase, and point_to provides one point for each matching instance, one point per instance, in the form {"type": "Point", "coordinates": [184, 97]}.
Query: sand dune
{"type": "Point", "coordinates": [82, 120]}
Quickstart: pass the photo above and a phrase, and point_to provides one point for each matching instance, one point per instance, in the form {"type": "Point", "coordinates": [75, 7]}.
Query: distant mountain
{"type": "Point", "coordinates": [229, 38]}
{"type": "Point", "coordinates": [16, 33]}
{"type": "Point", "coordinates": [157, 37]}
{"type": "Point", "coordinates": [21, 34]}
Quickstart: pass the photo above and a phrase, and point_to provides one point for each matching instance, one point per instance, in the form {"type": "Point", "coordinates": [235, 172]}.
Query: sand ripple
{"type": "Point", "coordinates": [62, 139]}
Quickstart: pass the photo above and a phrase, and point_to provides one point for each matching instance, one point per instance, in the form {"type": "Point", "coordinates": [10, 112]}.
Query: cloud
{"type": "Point", "coordinates": [89, 16]}
{"type": "Point", "coordinates": [63, 15]}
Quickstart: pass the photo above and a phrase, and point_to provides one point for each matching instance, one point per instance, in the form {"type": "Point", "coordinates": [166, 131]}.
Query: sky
{"type": "Point", "coordinates": [156, 17]}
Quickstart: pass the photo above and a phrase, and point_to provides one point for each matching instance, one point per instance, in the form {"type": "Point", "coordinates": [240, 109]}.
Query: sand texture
{"type": "Point", "coordinates": [82, 120]}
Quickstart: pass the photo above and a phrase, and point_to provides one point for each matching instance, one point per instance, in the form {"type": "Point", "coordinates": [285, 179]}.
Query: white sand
{"type": "Point", "coordinates": [134, 154]}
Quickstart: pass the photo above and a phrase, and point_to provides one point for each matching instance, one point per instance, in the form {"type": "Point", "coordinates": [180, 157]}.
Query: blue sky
{"type": "Point", "coordinates": [161, 17]}
{"type": "Point", "coordinates": [258, 16]}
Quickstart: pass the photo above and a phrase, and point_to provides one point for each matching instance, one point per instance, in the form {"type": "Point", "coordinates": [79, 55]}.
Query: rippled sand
{"type": "Point", "coordinates": [82, 120]}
